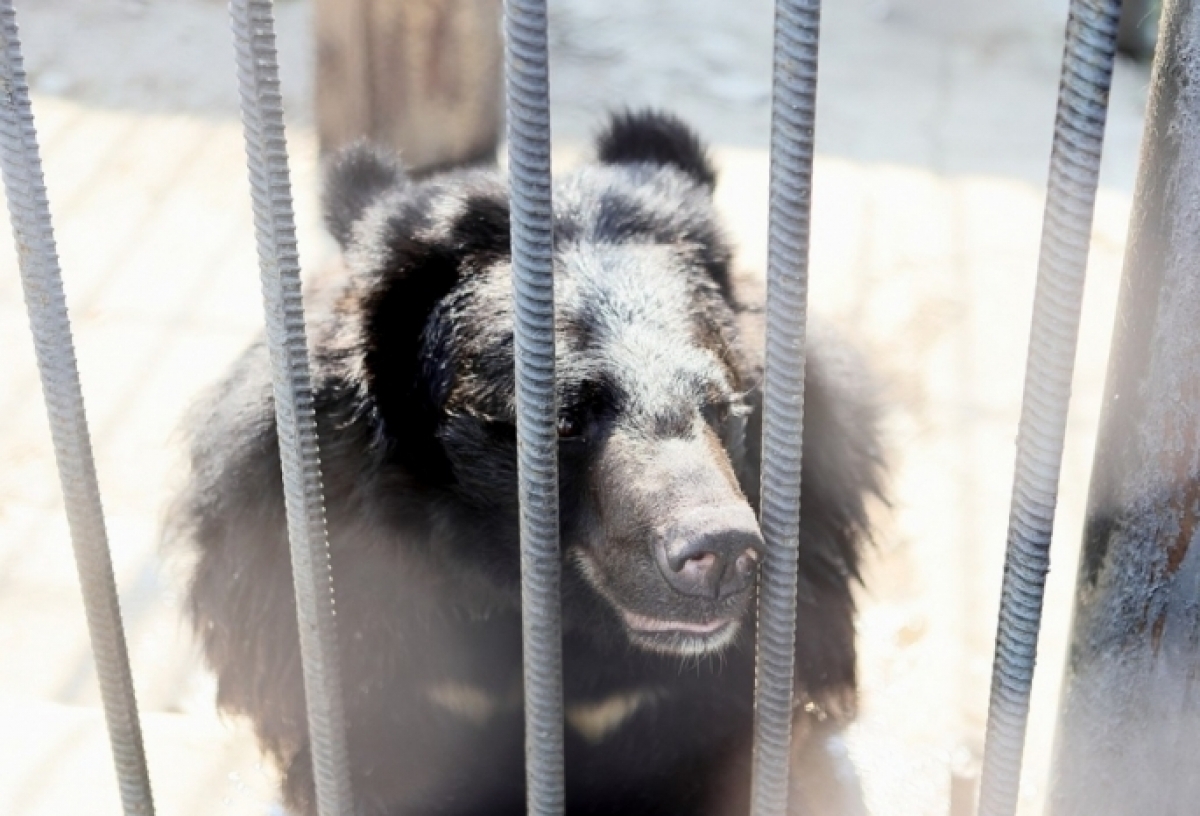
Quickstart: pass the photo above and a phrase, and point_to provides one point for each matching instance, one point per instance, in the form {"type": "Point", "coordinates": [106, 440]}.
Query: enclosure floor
{"type": "Point", "coordinates": [933, 135]}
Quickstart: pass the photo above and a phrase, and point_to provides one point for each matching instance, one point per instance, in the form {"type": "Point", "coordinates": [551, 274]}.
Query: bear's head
{"type": "Point", "coordinates": [651, 384]}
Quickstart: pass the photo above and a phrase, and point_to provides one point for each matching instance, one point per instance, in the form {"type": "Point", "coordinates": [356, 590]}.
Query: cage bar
{"type": "Point", "coordinates": [50, 324]}
{"type": "Point", "coordinates": [528, 93]}
{"type": "Point", "coordinates": [793, 112]}
{"type": "Point", "coordinates": [1058, 300]}
{"type": "Point", "coordinates": [279, 265]}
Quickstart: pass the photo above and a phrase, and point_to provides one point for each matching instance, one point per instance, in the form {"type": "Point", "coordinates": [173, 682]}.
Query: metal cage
{"type": "Point", "coordinates": [1074, 167]}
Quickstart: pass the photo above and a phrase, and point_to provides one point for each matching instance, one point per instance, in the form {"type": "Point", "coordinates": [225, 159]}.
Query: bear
{"type": "Point", "coordinates": [659, 427]}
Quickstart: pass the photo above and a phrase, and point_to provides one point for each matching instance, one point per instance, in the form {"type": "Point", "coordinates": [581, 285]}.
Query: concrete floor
{"type": "Point", "coordinates": [934, 127]}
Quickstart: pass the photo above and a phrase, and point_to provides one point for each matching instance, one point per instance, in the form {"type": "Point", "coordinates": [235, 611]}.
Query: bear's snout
{"type": "Point", "coordinates": [679, 545]}
{"type": "Point", "coordinates": [711, 553]}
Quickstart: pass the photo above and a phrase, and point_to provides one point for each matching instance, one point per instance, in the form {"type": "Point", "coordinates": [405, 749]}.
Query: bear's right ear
{"type": "Point", "coordinates": [353, 179]}
{"type": "Point", "coordinates": [655, 137]}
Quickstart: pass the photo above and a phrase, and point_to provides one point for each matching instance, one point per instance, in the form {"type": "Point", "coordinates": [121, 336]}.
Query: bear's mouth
{"type": "Point", "coordinates": [665, 635]}
{"type": "Point", "coordinates": [679, 637]}
{"type": "Point", "coordinates": [646, 625]}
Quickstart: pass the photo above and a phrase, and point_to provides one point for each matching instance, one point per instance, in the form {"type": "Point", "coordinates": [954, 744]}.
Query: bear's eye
{"type": "Point", "coordinates": [718, 413]}
{"type": "Point", "coordinates": [570, 428]}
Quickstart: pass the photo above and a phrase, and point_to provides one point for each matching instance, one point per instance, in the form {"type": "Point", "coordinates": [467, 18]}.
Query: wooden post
{"type": "Point", "coordinates": [424, 76]}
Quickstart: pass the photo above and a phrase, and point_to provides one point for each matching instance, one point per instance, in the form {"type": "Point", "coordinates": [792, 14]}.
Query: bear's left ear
{"type": "Point", "coordinates": [411, 252]}
{"type": "Point", "coordinates": [655, 137]}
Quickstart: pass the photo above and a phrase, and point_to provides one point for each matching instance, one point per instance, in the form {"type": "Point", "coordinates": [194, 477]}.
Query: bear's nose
{"type": "Point", "coordinates": [715, 563]}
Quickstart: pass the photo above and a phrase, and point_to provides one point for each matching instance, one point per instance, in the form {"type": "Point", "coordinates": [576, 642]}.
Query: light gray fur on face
{"type": "Point", "coordinates": [621, 311]}
{"type": "Point", "coordinates": [636, 302]}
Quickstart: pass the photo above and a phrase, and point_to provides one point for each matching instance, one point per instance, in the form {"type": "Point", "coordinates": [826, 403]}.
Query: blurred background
{"type": "Point", "coordinates": [933, 136]}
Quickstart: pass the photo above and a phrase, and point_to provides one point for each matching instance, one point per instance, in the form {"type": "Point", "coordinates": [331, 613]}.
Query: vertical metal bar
{"type": "Point", "coordinates": [1066, 233]}
{"type": "Point", "coordinates": [527, 81]}
{"type": "Point", "coordinates": [55, 350]}
{"type": "Point", "coordinates": [1129, 720]}
{"type": "Point", "coordinates": [797, 26]}
{"type": "Point", "coordinates": [266, 152]}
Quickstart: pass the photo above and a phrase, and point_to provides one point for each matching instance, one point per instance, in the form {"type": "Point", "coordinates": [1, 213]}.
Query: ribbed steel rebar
{"type": "Point", "coordinates": [1066, 231]}
{"type": "Point", "coordinates": [797, 26]}
{"type": "Point", "coordinates": [527, 82]}
{"type": "Point", "coordinates": [47, 305]}
{"type": "Point", "coordinates": [266, 151]}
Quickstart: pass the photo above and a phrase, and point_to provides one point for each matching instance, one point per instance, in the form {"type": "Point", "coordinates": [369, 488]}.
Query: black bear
{"type": "Point", "coordinates": [659, 430]}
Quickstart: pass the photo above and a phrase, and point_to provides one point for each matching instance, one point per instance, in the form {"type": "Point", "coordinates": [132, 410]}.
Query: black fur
{"type": "Point", "coordinates": [655, 138]}
{"type": "Point", "coordinates": [414, 395]}
{"type": "Point", "coordinates": [353, 179]}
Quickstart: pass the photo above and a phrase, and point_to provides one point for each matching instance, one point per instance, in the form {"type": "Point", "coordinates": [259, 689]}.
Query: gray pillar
{"type": "Point", "coordinates": [1129, 722]}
